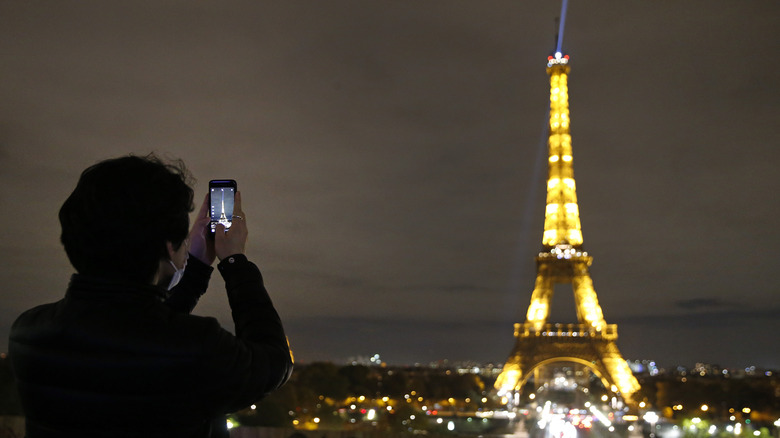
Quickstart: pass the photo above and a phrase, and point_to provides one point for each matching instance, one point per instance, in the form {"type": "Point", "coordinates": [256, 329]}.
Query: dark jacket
{"type": "Point", "coordinates": [119, 360]}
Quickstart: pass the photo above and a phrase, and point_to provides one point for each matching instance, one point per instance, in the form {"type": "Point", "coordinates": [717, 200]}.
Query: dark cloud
{"type": "Point", "coordinates": [400, 340]}
{"type": "Point", "coordinates": [732, 318]}
{"type": "Point", "coordinates": [700, 303]}
{"type": "Point", "coordinates": [706, 336]}
{"type": "Point", "coordinates": [452, 288]}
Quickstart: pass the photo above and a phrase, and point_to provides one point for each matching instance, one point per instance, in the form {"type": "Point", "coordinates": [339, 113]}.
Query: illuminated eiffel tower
{"type": "Point", "coordinates": [562, 261]}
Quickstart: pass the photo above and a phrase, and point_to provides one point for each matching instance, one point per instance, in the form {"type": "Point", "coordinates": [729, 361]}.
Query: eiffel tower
{"type": "Point", "coordinates": [590, 343]}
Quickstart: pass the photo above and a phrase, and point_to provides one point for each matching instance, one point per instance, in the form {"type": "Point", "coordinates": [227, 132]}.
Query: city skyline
{"type": "Point", "coordinates": [391, 158]}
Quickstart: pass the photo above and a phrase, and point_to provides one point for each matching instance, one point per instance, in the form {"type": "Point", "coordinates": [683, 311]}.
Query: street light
{"type": "Point", "coordinates": [652, 418]}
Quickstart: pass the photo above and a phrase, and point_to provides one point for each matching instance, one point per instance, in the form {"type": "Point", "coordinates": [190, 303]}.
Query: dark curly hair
{"type": "Point", "coordinates": [123, 210]}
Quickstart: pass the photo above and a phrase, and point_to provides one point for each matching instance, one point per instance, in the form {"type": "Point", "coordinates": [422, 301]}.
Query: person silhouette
{"type": "Point", "coordinates": [121, 355]}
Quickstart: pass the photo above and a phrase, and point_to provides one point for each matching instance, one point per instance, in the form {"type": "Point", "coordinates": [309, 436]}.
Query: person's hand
{"type": "Point", "coordinates": [201, 244]}
{"type": "Point", "coordinates": [232, 241]}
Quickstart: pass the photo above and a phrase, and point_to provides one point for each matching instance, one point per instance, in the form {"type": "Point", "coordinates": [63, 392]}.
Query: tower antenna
{"type": "Point", "coordinates": [561, 25]}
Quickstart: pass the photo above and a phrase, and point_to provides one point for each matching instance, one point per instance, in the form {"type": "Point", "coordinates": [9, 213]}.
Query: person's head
{"type": "Point", "coordinates": [124, 216]}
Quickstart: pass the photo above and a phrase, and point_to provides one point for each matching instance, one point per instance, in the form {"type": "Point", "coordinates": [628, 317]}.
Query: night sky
{"type": "Point", "coordinates": [391, 157]}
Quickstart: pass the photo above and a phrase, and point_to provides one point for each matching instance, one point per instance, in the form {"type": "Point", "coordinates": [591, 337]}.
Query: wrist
{"type": "Point", "coordinates": [228, 252]}
{"type": "Point", "coordinates": [233, 259]}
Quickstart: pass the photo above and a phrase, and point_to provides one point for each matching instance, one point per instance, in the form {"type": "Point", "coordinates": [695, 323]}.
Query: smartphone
{"type": "Point", "coordinates": [222, 194]}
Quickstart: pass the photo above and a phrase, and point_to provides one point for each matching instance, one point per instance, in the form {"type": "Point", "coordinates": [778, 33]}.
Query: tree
{"type": "Point", "coordinates": [324, 379]}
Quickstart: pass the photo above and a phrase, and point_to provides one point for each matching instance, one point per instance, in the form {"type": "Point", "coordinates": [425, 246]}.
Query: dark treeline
{"type": "Point", "coordinates": [755, 398]}
{"type": "Point", "coordinates": [336, 394]}
{"type": "Point", "coordinates": [340, 382]}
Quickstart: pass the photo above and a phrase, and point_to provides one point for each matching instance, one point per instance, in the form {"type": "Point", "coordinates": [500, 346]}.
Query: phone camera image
{"type": "Point", "coordinates": [222, 206]}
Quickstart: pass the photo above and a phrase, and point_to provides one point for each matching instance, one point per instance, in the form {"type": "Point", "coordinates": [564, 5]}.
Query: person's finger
{"type": "Point", "coordinates": [204, 208]}
{"type": "Point", "coordinates": [237, 204]}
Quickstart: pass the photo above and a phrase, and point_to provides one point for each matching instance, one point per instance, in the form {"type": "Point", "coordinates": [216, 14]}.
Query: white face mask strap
{"type": "Point", "coordinates": [177, 275]}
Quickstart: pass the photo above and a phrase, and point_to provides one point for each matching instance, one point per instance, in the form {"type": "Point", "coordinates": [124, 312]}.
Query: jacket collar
{"type": "Point", "coordinates": [85, 286]}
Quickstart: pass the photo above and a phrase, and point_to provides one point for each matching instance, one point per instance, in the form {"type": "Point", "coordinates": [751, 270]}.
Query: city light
{"type": "Point", "coordinates": [651, 417]}
{"type": "Point", "coordinates": [599, 410]}
{"type": "Point", "coordinates": [600, 416]}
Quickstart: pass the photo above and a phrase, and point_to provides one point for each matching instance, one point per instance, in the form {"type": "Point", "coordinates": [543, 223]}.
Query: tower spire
{"type": "Point", "coordinates": [561, 214]}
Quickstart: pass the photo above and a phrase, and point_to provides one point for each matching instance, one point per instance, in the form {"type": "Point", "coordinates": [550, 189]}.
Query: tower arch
{"type": "Point", "coordinates": [599, 373]}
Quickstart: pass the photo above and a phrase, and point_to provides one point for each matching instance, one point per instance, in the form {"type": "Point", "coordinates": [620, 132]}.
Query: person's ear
{"type": "Point", "coordinates": [169, 248]}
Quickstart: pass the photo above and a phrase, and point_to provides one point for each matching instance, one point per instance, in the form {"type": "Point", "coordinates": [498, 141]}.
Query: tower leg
{"type": "Point", "coordinates": [588, 308]}
{"type": "Point", "coordinates": [539, 309]}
